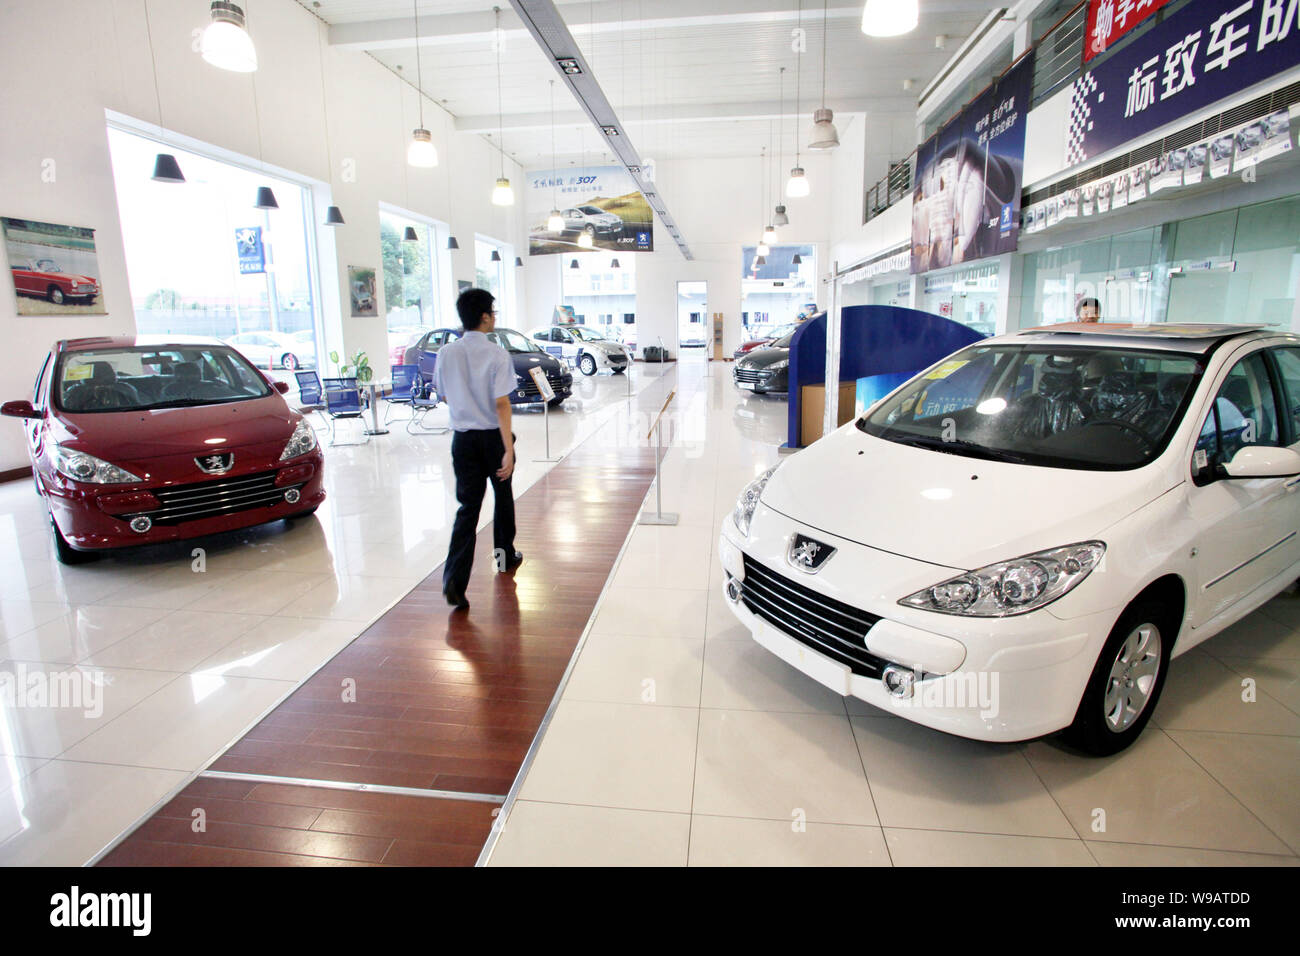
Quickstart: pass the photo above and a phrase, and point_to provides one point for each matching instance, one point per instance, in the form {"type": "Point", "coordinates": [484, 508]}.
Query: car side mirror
{"type": "Point", "coordinates": [1263, 461]}
{"type": "Point", "coordinates": [19, 409]}
{"type": "Point", "coordinates": [281, 387]}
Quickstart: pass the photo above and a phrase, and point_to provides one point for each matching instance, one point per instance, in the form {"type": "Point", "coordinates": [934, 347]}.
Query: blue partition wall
{"type": "Point", "coordinates": [883, 344]}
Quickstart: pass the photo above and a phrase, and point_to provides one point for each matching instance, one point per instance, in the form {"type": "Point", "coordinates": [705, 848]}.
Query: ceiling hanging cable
{"type": "Point", "coordinates": [265, 197]}
{"type": "Point", "coordinates": [769, 234]}
{"type": "Point", "coordinates": [554, 222]}
{"type": "Point", "coordinates": [781, 219]}
{"type": "Point", "coordinates": [421, 152]}
{"type": "Point", "coordinates": [796, 186]}
{"type": "Point", "coordinates": [502, 194]}
{"type": "Point", "coordinates": [333, 215]}
{"type": "Point", "coordinates": [165, 167]}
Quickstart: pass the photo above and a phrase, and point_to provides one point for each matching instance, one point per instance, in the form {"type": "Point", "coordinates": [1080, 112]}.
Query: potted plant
{"type": "Point", "coordinates": [358, 367]}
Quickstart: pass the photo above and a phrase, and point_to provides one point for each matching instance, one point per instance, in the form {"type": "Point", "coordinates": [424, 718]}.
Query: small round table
{"type": "Point", "coordinates": [374, 385]}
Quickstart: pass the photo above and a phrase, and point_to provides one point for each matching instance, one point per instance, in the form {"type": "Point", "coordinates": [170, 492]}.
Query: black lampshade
{"type": "Point", "coordinates": [761, 261]}
{"type": "Point", "coordinates": [166, 169]}
{"type": "Point", "coordinates": [452, 243]}
{"type": "Point", "coordinates": [613, 264]}
{"type": "Point", "coordinates": [333, 217]}
{"type": "Point", "coordinates": [798, 259]}
{"type": "Point", "coordinates": [265, 199]}
{"type": "Point", "coordinates": [573, 264]}
{"type": "Point", "coordinates": [519, 263]}
{"type": "Point", "coordinates": [409, 235]}
{"type": "Point", "coordinates": [496, 255]}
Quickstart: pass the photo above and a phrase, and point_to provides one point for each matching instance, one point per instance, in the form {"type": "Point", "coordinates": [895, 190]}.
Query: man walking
{"type": "Point", "coordinates": [475, 377]}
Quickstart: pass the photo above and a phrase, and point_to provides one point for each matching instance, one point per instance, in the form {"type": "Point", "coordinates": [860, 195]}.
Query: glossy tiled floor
{"type": "Point", "coordinates": [678, 740]}
{"type": "Point", "coordinates": [188, 652]}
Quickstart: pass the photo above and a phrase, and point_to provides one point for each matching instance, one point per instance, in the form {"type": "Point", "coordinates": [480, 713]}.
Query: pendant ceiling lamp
{"type": "Point", "coordinates": [410, 235]}
{"type": "Point", "coordinates": [573, 264]}
{"type": "Point", "coordinates": [452, 243]}
{"type": "Point", "coordinates": [225, 43]}
{"type": "Point", "coordinates": [496, 255]}
{"type": "Point", "coordinates": [585, 240]}
{"type": "Point", "coordinates": [798, 259]}
{"type": "Point", "coordinates": [796, 187]}
{"type": "Point", "coordinates": [333, 215]}
{"type": "Point", "coordinates": [761, 260]}
{"type": "Point", "coordinates": [613, 264]}
{"type": "Point", "coordinates": [769, 235]}
{"type": "Point", "coordinates": [165, 167]}
{"type": "Point", "coordinates": [519, 263]}
{"type": "Point", "coordinates": [421, 152]}
{"type": "Point", "coordinates": [554, 222]}
{"type": "Point", "coordinates": [265, 199]}
{"type": "Point", "coordinates": [824, 135]}
{"type": "Point", "coordinates": [502, 194]}
{"type": "Point", "coordinates": [889, 18]}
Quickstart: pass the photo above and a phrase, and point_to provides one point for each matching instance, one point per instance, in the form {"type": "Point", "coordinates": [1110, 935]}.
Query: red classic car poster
{"type": "Point", "coordinates": [54, 268]}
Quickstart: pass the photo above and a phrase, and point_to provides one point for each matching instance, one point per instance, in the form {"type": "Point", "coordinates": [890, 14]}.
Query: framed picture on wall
{"type": "Point", "coordinates": [55, 269]}
{"type": "Point", "coordinates": [361, 290]}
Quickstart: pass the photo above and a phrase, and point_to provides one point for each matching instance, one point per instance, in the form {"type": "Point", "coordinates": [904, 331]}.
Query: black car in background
{"type": "Point", "coordinates": [524, 354]}
{"type": "Point", "coordinates": [765, 369]}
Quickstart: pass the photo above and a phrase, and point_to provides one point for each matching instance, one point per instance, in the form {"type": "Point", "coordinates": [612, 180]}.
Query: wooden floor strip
{"type": "Point", "coordinates": [425, 698]}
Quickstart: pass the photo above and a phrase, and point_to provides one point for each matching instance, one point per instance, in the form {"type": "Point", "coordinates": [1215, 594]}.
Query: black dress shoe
{"type": "Point", "coordinates": [456, 597]}
{"type": "Point", "coordinates": [514, 561]}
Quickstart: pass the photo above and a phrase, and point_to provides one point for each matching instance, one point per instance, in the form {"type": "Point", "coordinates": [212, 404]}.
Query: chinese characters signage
{"type": "Point", "coordinates": [1206, 51]}
{"type": "Point", "coordinates": [604, 203]}
{"type": "Point", "coordinates": [252, 256]}
{"type": "Point", "coordinates": [1108, 20]}
{"type": "Point", "coordinates": [966, 203]}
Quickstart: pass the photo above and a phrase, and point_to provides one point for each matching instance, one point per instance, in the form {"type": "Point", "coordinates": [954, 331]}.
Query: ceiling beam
{"type": "Point", "coordinates": [695, 113]}
{"type": "Point", "coordinates": [607, 17]}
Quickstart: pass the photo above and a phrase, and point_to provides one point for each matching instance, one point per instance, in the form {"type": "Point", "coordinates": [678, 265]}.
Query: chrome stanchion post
{"type": "Point", "coordinates": [659, 517]}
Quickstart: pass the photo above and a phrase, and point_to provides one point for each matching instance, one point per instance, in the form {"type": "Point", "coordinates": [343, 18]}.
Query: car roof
{"type": "Point", "coordinates": [131, 341]}
{"type": "Point", "coordinates": [1194, 337]}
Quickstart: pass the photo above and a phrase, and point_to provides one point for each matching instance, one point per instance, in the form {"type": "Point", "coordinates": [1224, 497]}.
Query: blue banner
{"type": "Point", "coordinates": [248, 245]}
{"type": "Point", "coordinates": [1206, 51]}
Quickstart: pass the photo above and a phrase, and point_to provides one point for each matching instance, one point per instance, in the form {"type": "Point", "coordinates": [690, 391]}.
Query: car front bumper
{"type": "Point", "coordinates": [97, 517]}
{"type": "Point", "coordinates": [995, 679]}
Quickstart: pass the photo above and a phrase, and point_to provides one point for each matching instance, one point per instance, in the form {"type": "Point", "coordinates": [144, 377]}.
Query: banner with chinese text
{"type": "Point", "coordinates": [1108, 20]}
{"type": "Point", "coordinates": [1206, 51]}
{"type": "Point", "coordinates": [602, 202]}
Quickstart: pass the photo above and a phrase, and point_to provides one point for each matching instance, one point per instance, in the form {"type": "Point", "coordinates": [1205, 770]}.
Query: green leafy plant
{"type": "Point", "coordinates": [358, 367]}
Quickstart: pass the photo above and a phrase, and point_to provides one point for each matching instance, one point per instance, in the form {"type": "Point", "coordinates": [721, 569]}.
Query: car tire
{"type": "Point", "coordinates": [56, 295]}
{"type": "Point", "coordinates": [289, 361]}
{"type": "Point", "coordinates": [65, 552]}
{"type": "Point", "coordinates": [587, 363]}
{"type": "Point", "coordinates": [591, 231]}
{"type": "Point", "coordinates": [1098, 728]}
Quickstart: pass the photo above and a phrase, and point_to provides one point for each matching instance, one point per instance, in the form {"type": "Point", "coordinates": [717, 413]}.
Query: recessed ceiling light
{"type": "Point", "coordinates": [569, 65]}
{"type": "Point", "coordinates": [609, 130]}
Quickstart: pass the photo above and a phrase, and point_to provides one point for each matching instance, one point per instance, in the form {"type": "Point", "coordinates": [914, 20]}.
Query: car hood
{"type": "Point", "coordinates": [949, 509]}
{"type": "Point", "coordinates": [123, 437]}
{"type": "Point", "coordinates": [762, 358]}
{"type": "Point", "coordinates": [526, 360]}
{"type": "Point", "coordinates": [612, 347]}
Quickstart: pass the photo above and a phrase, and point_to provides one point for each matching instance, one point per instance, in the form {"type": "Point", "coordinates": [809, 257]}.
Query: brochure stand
{"type": "Point", "coordinates": [548, 393]}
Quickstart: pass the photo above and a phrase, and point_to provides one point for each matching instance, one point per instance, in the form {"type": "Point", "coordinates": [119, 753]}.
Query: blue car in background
{"type": "Point", "coordinates": [525, 355]}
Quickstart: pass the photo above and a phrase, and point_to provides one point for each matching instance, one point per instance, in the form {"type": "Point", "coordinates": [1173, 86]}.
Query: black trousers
{"type": "Point", "coordinates": [475, 457]}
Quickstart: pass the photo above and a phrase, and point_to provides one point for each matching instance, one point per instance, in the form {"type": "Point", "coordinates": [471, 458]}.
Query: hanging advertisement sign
{"type": "Point", "coordinates": [966, 203]}
{"type": "Point", "coordinates": [252, 254]}
{"type": "Point", "coordinates": [1108, 20]}
{"type": "Point", "coordinates": [1206, 51]}
{"type": "Point", "coordinates": [602, 202]}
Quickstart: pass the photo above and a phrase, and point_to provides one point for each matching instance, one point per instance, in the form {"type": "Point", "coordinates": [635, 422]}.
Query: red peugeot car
{"type": "Point", "coordinates": [142, 440]}
{"type": "Point", "coordinates": [747, 347]}
{"type": "Point", "coordinates": [43, 277]}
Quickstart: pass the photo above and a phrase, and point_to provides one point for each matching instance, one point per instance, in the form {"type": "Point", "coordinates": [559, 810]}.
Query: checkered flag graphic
{"type": "Point", "coordinates": [1080, 121]}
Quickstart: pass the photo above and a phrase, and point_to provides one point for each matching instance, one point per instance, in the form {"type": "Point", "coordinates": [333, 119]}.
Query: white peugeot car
{"type": "Point", "coordinates": [583, 347]}
{"type": "Point", "coordinates": [1019, 539]}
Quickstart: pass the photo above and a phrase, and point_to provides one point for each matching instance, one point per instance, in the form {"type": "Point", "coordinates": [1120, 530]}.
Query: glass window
{"type": "Point", "coordinates": [230, 268]}
{"type": "Point", "coordinates": [1288, 366]}
{"type": "Point", "coordinates": [488, 274]}
{"type": "Point", "coordinates": [593, 290]}
{"type": "Point", "coordinates": [968, 295]}
{"type": "Point", "coordinates": [1062, 407]}
{"type": "Point", "coordinates": [411, 276]}
{"type": "Point", "coordinates": [778, 292]}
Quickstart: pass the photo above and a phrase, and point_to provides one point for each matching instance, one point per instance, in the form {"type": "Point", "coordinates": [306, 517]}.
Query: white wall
{"type": "Point", "coordinates": [718, 208]}
{"type": "Point", "coordinates": [67, 61]}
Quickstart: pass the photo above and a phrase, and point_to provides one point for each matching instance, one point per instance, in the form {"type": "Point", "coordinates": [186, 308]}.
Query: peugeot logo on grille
{"type": "Point", "coordinates": [807, 554]}
{"type": "Point", "coordinates": [216, 464]}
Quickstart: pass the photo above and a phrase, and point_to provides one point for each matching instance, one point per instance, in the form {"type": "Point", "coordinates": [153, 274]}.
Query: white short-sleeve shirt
{"type": "Point", "coordinates": [470, 374]}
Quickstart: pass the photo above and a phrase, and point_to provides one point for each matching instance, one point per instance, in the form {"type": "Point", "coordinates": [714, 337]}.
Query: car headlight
{"type": "Point", "coordinates": [1012, 587]}
{"type": "Point", "coordinates": [79, 466]}
{"type": "Point", "coordinates": [777, 366]}
{"type": "Point", "coordinates": [748, 500]}
{"type": "Point", "coordinates": [301, 441]}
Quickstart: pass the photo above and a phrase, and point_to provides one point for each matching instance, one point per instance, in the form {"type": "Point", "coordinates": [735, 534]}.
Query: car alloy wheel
{"type": "Point", "coordinates": [1133, 676]}
{"type": "Point", "coordinates": [289, 361]}
{"type": "Point", "coordinates": [56, 295]}
{"type": "Point", "coordinates": [588, 364]}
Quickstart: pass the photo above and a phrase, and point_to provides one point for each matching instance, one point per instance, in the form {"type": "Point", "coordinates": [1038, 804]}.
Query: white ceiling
{"type": "Point", "coordinates": [687, 77]}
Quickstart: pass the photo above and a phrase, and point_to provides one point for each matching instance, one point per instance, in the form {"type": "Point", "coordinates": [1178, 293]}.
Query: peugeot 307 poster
{"type": "Point", "coordinates": [600, 202]}
{"type": "Point", "coordinates": [966, 199]}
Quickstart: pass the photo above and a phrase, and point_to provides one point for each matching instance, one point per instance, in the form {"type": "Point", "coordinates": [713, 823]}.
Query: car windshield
{"type": "Point", "coordinates": [586, 334]}
{"type": "Point", "coordinates": [147, 377]}
{"type": "Point", "coordinates": [783, 342]}
{"type": "Point", "coordinates": [512, 341]}
{"type": "Point", "coordinates": [1071, 407]}
{"type": "Point", "coordinates": [47, 265]}
{"type": "Point", "coordinates": [592, 210]}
